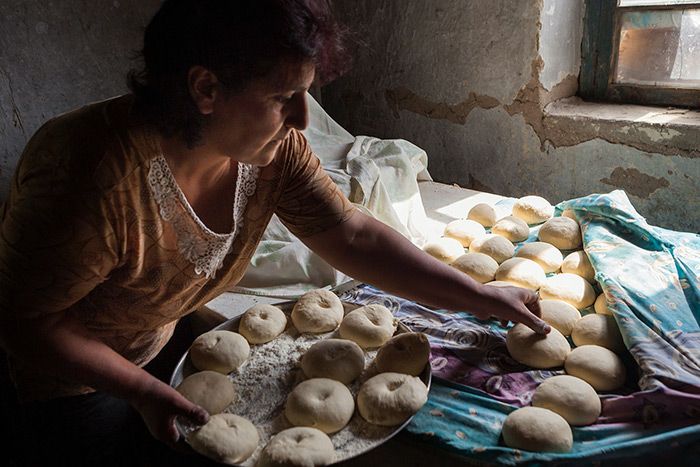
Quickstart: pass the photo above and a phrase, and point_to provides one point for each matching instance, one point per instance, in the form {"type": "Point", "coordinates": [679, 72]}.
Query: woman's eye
{"type": "Point", "coordinates": [284, 99]}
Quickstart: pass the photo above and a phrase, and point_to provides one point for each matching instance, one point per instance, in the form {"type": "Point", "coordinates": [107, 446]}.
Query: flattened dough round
{"type": "Point", "coordinates": [601, 305]}
{"type": "Point", "coordinates": [221, 351]}
{"type": "Point", "coordinates": [484, 214]}
{"type": "Point", "coordinates": [537, 350]}
{"type": "Point", "coordinates": [444, 249]}
{"type": "Point", "coordinates": [533, 209]}
{"type": "Point", "coordinates": [559, 314]}
{"type": "Point", "coordinates": [569, 396]}
{"type": "Point", "coordinates": [209, 389]}
{"type": "Point", "coordinates": [578, 263]}
{"type": "Point", "coordinates": [261, 323]}
{"type": "Point", "coordinates": [497, 247]}
{"type": "Point", "coordinates": [570, 288]}
{"type": "Point", "coordinates": [547, 256]}
{"type": "Point", "coordinates": [464, 231]}
{"type": "Point", "coordinates": [370, 326]}
{"type": "Point", "coordinates": [598, 366]}
{"type": "Point", "coordinates": [480, 267]}
{"type": "Point", "coordinates": [339, 359]}
{"type": "Point", "coordinates": [597, 329]}
{"type": "Point", "coordinates": [537, 429]}
{"type": "Point", "coordinates": [562, 232]}
{"type": "Point", "coordinates": [522, 272]}
{"type": "Point", "coordinates": [320, 403]}
{"type": "Point", "coordinates": [317, 311]}
{"type": "Point", "coordinates": [225, 438]}
{"type": "Point", "coordinates": [389, 399]}
{"type": "Point", "coordinates": [406, 353]}
{"type": "Point", "coordinates": [298, 447]}
{"type": "Point", "coordinates": [512, 228]}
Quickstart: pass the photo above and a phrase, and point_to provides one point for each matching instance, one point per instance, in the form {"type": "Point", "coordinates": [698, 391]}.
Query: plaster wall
{"type": "Point", "coordinates": [469, 81]}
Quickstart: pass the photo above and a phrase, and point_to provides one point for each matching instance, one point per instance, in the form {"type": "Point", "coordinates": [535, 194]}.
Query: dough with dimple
{"type": "Point", "coordinates": [370, 326]}
{"type": "Point", "coordinates": [320, 403]}
{"type": "Point", "coordinates": [226, 438]}
{"type": "Point", "coordinates": [298, 447]}
{"type": "Point", "coordinates": [464, 231]}
{"type": "Point", "coordinates": [497, 247]}
{"type": "Point", "coordinates": [601, 305]}
{"type": "Point", "coordinates": [570, 288]}
{"type": "Point", "coordinates": [484, 214]}
{"type": "Point", "coordinates": [406, 353]}
{"type": "Point", "coordinates": [562, 232]}
{"type": "Point", "coordinates": [569, 396]}
{"type": "Point", "coordinates": [389, 399]}
{"type": "Point", "coordinates": [533, 209]}
{"type": "Point", "coordinates": [221, 351]}
{"type": "Point", "coordinates": [559, 314]}
{"type": "Point", "coordinates": [339, 359]}
{"type": "Point", "coordinates": [547, 256]}
{"type": "Point", "coordinates": [537, 350]}
{"type": "Point", "coordinates": [262, 323]}
{"type": "Point", "coordinates": [537, 429]}
{"type": "Point", "coordinates": [522, 272]}
{"type": "Point", "coordinates": [317, 311]}
{"type": "Point", "coordinates": [598, 366]}
{"type": "Point", "coordinates": [209, 389]}
{"type": "Point", "coordinates": [597, 329]}
{"type": "Point", "coordinates": [444, 249]}
{"type": "Point", "coordinates": [578, 263]}
{"type": "Point", "coordinates": [479, 266]}
{"type": "Point", "coordinates": [512, 228]}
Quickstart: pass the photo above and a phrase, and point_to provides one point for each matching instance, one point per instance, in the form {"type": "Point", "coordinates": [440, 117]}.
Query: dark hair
{"type": "Point", "coordinates": [238, 40]}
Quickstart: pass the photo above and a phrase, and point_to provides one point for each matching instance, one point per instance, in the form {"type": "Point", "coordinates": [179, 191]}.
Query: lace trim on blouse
{"type": "Point", "coordinates": [202, 247]}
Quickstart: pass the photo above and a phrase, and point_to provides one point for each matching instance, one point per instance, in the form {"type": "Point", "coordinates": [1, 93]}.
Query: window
{"type": "Point", "coordinates": [642, 51]}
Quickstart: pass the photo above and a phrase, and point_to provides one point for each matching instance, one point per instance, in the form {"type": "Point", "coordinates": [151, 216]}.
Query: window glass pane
{"type": "Point", "coordinates": [660, 47]}
{"type": "Point", "coordinates": [655, 2]}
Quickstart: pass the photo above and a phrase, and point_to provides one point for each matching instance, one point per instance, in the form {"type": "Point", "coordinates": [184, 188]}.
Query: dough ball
{"type": "Point", "coordinates": [569, 396]}
{"type": "Point", "coordinates": [537, 429]}
{"type": "Point", "coordinates": [533, 209]}
{"type": "Point", "coordinates": [480, 267]}
{"type": "Point", "coordinates": [560, 315]}
{"type": "Point", "coordinates": [595, 329]}
{"type": "Point", "coordinates": [569, 213]}
{"type": "Point", "coordinates": [596, 365]}
{"type": "Point", "coordinates": [522, 272]}
{"type": "Point", "coordinates": [464, 231]}
{"type": "Point", "coordinates": [225, 438]}
{"type": "Point", "coordinates": [338, 359]}
{"type": "Point", "coordinates": [537, 350]}
{"type": "Point", "coordinates": [262, 323]}
{"type": "Point", "coordinates": [569, 288]}
{"type": "Point", "coordinates": [370, 326]}
{"type": "Point", "coordinates": [512, 228]}
{"type": "Point", "coordinates": [493, 245]}
{"type": "Point", "coordinates": [501, 284]}
{"type": "Point", "coordinates": [484, 214]}
{"type": "Point", "coordinates": [406, 353]}
{"type": "Point", "coordinates": [562, 232]}
{"type": "Point", "coordinates": [579, 264]}
{"type": "Point", "coordinates": [221, 351]}
{"type": "Point", "coordinates": [209, 389]}
{"type": "Point", "coordinates": [601, 305]}
{"type": "Point", "coordinates": [547, 256]}
{"type": "Point", "coordinates": [298, 447]}
{"type": "Point", "coordinates": [317, 311]}
{"type": "Point", "coordinates": [389, 399]}
{"type": "Point", "coordinates": [320, 403]}
{"type": "Point", "coordinates": [445, 249]}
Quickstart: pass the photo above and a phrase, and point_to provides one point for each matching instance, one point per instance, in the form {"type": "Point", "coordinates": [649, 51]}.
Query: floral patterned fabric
{"type": "Point", "coordinates": [651, 276]}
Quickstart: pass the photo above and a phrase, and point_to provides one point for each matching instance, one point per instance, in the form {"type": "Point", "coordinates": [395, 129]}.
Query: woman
{"type": "Point", "coordinates": [128, 214]}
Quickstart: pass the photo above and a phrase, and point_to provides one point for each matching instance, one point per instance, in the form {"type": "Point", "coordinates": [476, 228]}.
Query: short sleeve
{"type": "Point", "coordinates": [310, 201]}
{"type": "Point", "coordinates": [56, 239]}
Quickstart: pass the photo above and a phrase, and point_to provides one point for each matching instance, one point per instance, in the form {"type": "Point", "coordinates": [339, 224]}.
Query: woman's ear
{"type": "Point", "coordinates": [204, 88]}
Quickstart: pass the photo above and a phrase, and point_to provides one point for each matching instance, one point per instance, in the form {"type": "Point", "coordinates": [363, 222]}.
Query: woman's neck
{"type": "Point", "coordinates": [200, 165]}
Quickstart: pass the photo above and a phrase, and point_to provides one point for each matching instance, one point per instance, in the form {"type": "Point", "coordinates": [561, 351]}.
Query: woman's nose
{"type": "Point", "coordinates": [298, 113]}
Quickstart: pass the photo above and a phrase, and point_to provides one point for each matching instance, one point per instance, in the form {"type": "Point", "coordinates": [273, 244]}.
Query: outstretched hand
{"type": "Point", "coordinates": [513, 304]}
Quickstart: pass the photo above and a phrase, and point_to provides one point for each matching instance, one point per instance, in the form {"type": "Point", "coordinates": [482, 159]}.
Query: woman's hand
{"type": "Point", "coordinates": [159, 404]}
{"type": "Point", "coordinates": [512, 304]}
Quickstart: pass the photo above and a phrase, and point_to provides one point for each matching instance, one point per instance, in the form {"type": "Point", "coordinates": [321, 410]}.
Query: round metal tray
{"type": "Point", "coordinates": [185, 368]}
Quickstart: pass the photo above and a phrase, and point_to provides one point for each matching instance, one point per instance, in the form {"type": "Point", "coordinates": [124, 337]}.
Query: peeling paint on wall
{"type": "Point", "coordinates": [635, 182]}
{"type": "Point", "coordinates": [405, 99]}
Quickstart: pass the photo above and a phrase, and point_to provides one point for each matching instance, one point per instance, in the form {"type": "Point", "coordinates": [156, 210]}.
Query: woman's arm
{"type": "Point", "coordinates": [372, 252]}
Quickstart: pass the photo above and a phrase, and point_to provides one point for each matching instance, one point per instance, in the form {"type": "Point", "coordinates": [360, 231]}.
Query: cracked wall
{"type": "Point", "coordinates": [468, 81]}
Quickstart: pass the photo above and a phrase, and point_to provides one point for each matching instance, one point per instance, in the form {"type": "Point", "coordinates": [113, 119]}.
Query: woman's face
{"type": "Point", "coordinates": [249, 126]}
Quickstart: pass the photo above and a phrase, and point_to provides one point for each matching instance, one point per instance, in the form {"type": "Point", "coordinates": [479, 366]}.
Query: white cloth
{"type": "Point", "coordinates": [378, 176]}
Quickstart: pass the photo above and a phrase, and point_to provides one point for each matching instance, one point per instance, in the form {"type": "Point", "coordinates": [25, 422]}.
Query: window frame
{"type": "Point", "coordinates": [599, 49]}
